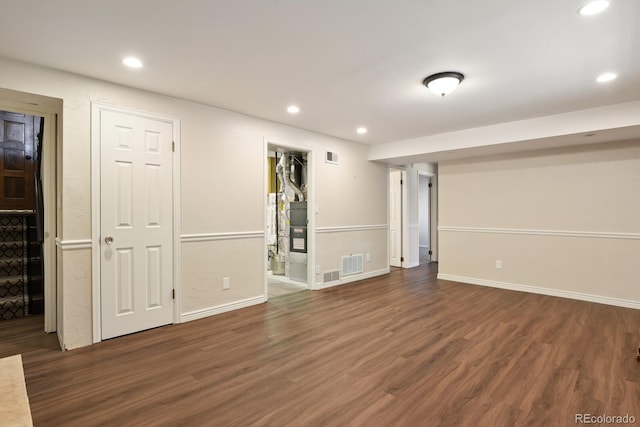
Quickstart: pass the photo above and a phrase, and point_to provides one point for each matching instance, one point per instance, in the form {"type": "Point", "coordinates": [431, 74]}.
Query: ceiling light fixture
{"type": "Point", "coordinates": [293, 109]}
{"type": "Point", "coordinates": [606, 77]}
{"type": "Point", "coordinates": [132, 62]}
{"type": "Point", "coordinates": [594, 7]}
{"type": "Point", "coordinates": [361, 130]}
{"type": "Point", "coordinates": [443, 83]}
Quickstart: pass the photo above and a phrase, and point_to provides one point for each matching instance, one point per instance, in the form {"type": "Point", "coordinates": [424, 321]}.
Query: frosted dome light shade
{"type": "Point", "coordinates": [443, 83]}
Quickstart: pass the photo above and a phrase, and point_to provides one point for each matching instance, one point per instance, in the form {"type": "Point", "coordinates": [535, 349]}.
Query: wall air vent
{"type": "Point", "coordinates": [331, 157]}
{"type": "Point", "coordinates": [331, 276]}
{"type": "Point", "coordinates": [351, 264]}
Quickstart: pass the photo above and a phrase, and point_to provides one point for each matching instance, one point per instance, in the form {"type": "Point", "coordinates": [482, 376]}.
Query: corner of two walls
{"type": "Point", "coordinates": [350, 212]}
{"type": "Point", "coordinates": [562, 222]}
{"type": "Point", "coordinates": [223, 207]}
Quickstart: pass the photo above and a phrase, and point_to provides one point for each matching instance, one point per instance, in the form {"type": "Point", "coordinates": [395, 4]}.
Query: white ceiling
{"type": "Point", "coordinates": [346, 63]}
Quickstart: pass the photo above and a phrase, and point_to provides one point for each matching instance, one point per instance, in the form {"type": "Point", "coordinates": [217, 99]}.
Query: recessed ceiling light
{"type": "Point", "coordinates": [361, 130]}
{"type": "Point", "coordinates": [594, 7]}
{"type": "Point", "coordinates": [293, 109]}
{"type": "Point", "coordinates": [132, 62]}
{"type": "Point", "coordinates": [606, 77]}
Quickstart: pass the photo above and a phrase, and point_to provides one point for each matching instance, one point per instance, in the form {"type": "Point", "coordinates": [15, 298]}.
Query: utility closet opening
{"type": "Point", "coordinates": [287, 221]}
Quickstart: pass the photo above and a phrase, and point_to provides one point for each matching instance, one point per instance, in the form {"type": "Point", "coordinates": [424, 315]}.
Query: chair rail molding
{"type": "Point", "coordinates": [67, 245]}
{"type": "Point", "coordinates": [211, 237]}
{"type": "Point", "coordinates": [348, 228]}
{"type": "Point", "coordinates": [539, 232]}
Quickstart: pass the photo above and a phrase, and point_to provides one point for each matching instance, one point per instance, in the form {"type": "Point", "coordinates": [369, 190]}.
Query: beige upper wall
{"type": "Point", "coordinates": [222, 157]}
{"type": "Point", "coordinates": [224, 167]}
{"type": "Point", "coordinates": [344, 197]}
{"type": "Point", "coordinates": [585, 188]}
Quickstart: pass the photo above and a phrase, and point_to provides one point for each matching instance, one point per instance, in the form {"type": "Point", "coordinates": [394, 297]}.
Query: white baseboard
{"type": "Point", "coordinates": [543, 291]}
{"type": "Point", "coordinates": [350, 279]}
{"type": "Point", "coordinates": [212, 311]}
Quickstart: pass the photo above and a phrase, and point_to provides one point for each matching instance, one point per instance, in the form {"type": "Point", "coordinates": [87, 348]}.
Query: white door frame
{"type": "Point", "coordinates": [311, 203]}
{"type": "Point", "coordinates": [50, 147]}
{"type": "Point", "coordinates": [430, 175]}
{"type": "Point", "coordinates": [410, 198]}
{"type": "Point", "coordinates": [403, 214]}
{"type": "Point", "coordinates": [96, 110]}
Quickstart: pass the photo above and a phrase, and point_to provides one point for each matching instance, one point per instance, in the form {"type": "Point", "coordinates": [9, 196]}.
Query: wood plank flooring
{"type": "Point", "coordinates": [277, 288]}
{"type": "Point", "coordinates": [404, 349]}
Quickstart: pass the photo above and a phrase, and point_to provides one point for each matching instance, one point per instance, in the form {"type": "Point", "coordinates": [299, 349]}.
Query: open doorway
{"type": "Point", "coordinates": [424, 221]}
{"type": "Point", "coordinates": [28, 216]}
{"type": "Point", "coordinates": [287, 220]}
{"type": "Point", "coordinates": [397, 198]}
{"type": "Point", "coordinates": [21, 216]}
{"type": "Point", "coordinates": [413, 204]}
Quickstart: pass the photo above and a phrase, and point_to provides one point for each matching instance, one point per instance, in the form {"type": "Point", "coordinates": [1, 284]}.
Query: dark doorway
{"type": "Point", "coordinates": [18, 133]}
{"type": "Point", "coordinates": [21, 214]}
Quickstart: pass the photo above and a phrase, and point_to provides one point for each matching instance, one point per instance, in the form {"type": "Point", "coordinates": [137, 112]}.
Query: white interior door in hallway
{"type": "Point", "coordinates": [136, 223]}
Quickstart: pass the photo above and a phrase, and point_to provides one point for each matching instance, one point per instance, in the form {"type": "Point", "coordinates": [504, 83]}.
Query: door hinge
{"type": "Point", "coordinates": [430, 252]}
{"type": "Point", "coordinates": [173, 146]}
{"type": "Point", "coordinates": [173, 294]}
{"type": "Point", "coordinates": [430, 185]}
{"type": "Point", "coordinates": [401, 259]}
{"type": "Point", "coordinates": [401, 182]}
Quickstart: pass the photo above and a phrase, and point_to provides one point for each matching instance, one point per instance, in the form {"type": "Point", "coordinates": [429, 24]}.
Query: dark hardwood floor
{"type": "Point", "coordinates": [404, 349]}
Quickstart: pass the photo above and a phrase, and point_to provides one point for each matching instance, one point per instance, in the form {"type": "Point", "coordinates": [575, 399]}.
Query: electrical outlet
{"type": "Point", "coordinates": [499, 264]}
{"type": "Point", "coordinates": [226, 282]}
{"type": "Point", "coordinates": [368, 257]}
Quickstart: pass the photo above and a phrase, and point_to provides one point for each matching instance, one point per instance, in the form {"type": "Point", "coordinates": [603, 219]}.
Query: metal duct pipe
{"type": "Point", "coordinates": [284, 175]}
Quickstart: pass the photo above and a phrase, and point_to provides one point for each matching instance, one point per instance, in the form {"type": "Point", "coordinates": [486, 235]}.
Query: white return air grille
{"type": "Point", "coordinates": [331, 157]}
{"type": "Point", "coordinates": [331, 276]}
{"type": "Point", "coordinates": [351, 264]}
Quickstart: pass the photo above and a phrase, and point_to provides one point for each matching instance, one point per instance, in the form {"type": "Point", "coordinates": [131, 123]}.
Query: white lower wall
{"type": "Point", "coordinates": [205, 264]}
{"type": "Point", "coordinates": [599, 269]}
{"type": "Point", "coordinates": [332, 244]}
{"type": "Point", "coordinates": [77, 325]}
{"type": "Point", "coordinates": [59, 297]}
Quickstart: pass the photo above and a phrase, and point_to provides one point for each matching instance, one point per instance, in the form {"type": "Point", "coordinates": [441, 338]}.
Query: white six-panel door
{"type": "Point", "coordinates": [136, 236]}
{"type": "Point", "coordinates": [395, 218]}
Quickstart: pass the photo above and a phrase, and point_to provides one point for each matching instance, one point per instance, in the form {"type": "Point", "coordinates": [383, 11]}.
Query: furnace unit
{"type": "Point", "coordinates": [298, 241]}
